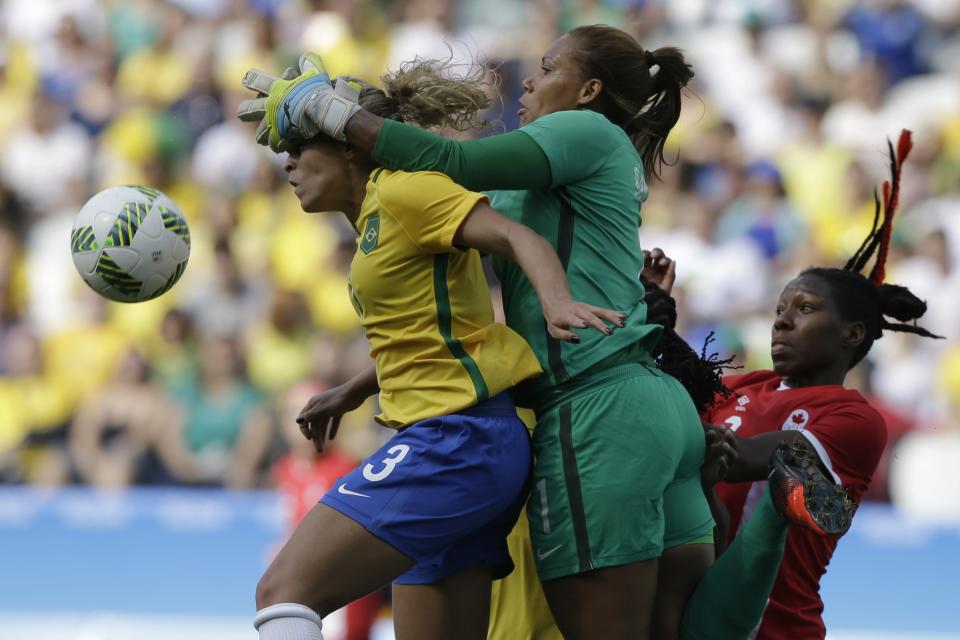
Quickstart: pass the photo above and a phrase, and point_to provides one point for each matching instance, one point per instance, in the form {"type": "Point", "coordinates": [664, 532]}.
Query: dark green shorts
{"type": "Point", "coordinates": [617, 472]}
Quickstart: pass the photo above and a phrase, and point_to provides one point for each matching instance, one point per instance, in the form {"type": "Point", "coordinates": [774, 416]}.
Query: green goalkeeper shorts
{"type": "Point", "coordinates": [617, 472]}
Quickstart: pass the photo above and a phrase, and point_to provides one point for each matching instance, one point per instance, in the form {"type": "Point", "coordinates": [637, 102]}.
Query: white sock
{"type": "Point", "coordinates": [288, 621]}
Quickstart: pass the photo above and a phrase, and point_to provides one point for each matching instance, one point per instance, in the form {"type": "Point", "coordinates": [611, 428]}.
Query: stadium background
{"type": "Point", "coordinates": [148, 459]}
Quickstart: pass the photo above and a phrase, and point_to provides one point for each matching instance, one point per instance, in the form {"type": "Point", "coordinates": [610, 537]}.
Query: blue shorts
{"type": "Point", "coordinates": [444, 491]}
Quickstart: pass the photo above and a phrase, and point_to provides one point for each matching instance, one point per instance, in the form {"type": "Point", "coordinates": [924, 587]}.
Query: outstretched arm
{"type": "Point", "coordinates": [507, 161]}
{"type": "Point", "coordinates": [753, 462]}
{"type": "Point", "coordinates": [299, 107]}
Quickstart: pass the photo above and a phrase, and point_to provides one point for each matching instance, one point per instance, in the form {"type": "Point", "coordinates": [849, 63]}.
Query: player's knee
{"type": "Point", "coordinates": [267, 592]}
{"type": "Point", "coordinates": [276, 589]}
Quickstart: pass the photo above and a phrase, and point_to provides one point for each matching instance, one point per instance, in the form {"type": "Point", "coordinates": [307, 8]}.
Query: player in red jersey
{"type": "Point", "coordinates": [826, 322]}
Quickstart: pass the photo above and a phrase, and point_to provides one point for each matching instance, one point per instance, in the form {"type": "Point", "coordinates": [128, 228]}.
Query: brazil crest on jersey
{"type": "Point", "coordinates": [598, 243]}
{"type": "Point", "coordinates": [425, 304]}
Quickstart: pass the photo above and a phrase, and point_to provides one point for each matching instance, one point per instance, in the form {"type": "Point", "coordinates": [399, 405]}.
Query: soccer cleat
{"type": "Point", "coordinates": [804, 492]}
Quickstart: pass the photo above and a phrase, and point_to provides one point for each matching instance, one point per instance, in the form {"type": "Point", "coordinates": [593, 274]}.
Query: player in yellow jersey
{"type": "Point", "coordinates": [431, 509]}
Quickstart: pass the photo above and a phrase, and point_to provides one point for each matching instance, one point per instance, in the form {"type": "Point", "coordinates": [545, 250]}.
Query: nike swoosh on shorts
{"type": "Point", "coordinates": [343, 489]}
{"type": "Point", "coordinates": [542, 555]}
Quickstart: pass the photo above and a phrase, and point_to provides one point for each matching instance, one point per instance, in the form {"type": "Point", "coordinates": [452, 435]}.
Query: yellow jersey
{"type": "Point", "coordinates": [425, 304]}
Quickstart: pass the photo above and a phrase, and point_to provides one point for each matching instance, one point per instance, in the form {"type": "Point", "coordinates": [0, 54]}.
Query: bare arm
{"type": "Point", "coordinates": [320, 418]}
{"type": "Point", "coordinates": [753, 462]}
{"type": "Point", "coordinates": [488, 231]}
{"type": "Point", "coordinates": [363, 385]}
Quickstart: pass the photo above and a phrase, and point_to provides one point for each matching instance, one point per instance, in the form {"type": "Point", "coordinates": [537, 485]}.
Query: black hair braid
{"type": "Point", "coordinates": [860, 257]}
{"type": "Point", "coordinates": [867, 299]}
{"type": "Point", "coordinates": [701, 375]}
{"type": "Point", "coordinates": [898, 302]}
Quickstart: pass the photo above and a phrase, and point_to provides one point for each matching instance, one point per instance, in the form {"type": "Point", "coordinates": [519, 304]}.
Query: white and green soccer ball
{"type": "Point", "coordinates": [130, 243]}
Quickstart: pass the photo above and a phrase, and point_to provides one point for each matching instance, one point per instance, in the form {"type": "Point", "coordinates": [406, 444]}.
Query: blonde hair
{"type": "Point", "coordinates": [429, 94]}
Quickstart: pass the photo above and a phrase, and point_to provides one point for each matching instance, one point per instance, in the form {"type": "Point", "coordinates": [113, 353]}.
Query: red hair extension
{"type": "Point", "coordinates": [891, 197]}
{"type": "Point", "coordinates": [904, 145]}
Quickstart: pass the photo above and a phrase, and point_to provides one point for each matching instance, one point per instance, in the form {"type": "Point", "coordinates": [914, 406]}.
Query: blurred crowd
{"type": "Point", "coordinates": [781, 143]}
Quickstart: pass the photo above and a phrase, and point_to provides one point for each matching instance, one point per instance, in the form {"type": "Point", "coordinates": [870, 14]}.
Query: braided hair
{"type": "Point", "coordinates": [859, 298]}
{"type": "Point", "coordinates": [867, 298]}
{"type": "Point", "coordinates": [700, 374]}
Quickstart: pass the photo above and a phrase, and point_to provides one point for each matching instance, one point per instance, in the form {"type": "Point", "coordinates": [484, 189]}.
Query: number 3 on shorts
{"type": "Point", "coordinates": [399, 452]}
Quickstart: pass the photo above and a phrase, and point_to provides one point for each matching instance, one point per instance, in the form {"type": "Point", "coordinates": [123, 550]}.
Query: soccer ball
{"type": "Point", "coordinates": [130, 243]}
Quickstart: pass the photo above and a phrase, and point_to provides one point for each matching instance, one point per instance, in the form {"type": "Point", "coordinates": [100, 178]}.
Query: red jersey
{"type": "Point", "coordinates": [303, 482]}
{"type": "Point", "coordinates": [848, 434]}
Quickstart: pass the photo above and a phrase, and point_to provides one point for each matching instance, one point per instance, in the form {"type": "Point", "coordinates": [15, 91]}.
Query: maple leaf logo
{"type": "Point", "coordinates": [796, 421]}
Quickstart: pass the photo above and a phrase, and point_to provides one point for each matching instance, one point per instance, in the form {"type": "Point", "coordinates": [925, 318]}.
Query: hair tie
{"type": "Point", "coordinates": [650, 59]}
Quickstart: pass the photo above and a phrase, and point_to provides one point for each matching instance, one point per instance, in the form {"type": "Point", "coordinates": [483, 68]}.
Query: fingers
{"type": "Point", "coordinates": [656, 258]}
{"type": "Point", "coordinates": [583, 316]}
{"type": "Point", "coordinates": [669, 276]}
{"type": "Point", "coordinates": [560, 333]}
{"type": "Point", "coordinates": [334, 427]}
{"type": "Point", "coordinates": [263, 133]}
{"type": "Point", "coordinates": [730, 454]}
{"type": "Point", "coordinates": [259, 81]}
{"type": "Point", "coordinates": [304, 416]}
{"type": "Point", "coordinates": [313, 62]}
{"type": "Point", "coordinates": [318, 431]}
{"type": "Point", "coordinates": [252, 110]}
{"type": "Point", "coordinates": [613, 317]}
{"type": "Point", "coordinates": [711, 437]}
{"type": "Point", "coordinates": [722, 468]}
{"type": "Point", "coordinates": [320, 435]}
{"type": "Point", "coordinates": [597, 317]}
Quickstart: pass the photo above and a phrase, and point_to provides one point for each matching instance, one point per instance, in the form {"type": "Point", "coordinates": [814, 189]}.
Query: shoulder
{"type": "Point", "coordinates": [840, 400]}
{"type": "Point", "coordinates": [391, 183]}
{"type": "Point", "coordinates": [581, 124]}
{"type": "Point", "coordinates": [844, 422]}
{"type": "Point", "coordinates": [403, 189]}
{"type": "Point", "coordinates": [741, 381]}
{"type": "Point", "coordinates": [582, 117]}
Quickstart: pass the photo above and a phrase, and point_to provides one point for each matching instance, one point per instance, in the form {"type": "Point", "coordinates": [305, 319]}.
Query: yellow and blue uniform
{"type": "Point", "coordinates": [425, 304]}
{"type": "Point", "coordinates": [447, 489]}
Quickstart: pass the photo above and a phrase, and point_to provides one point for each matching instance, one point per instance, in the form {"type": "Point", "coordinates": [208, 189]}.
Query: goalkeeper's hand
{"type": "Point", "coordinates": [299, 105]}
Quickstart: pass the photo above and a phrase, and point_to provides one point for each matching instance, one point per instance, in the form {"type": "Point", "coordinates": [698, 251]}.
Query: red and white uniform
{"type": "Point", "coordinates": [848, 434]}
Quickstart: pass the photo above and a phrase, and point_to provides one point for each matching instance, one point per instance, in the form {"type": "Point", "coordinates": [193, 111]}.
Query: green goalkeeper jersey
{"type": "Point", "coordinates": [579, 155]}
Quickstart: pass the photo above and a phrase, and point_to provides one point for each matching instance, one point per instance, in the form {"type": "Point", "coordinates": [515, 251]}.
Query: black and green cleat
{"type": "Point", "coordinates": [804, 492]}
